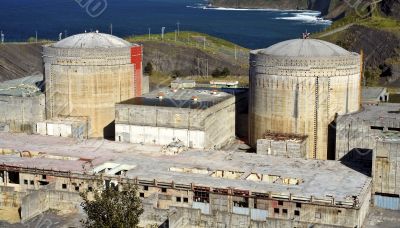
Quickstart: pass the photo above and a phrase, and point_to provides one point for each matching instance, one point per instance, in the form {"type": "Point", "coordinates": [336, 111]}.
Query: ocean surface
{"type": "Point", "coordinates": [20, 19]}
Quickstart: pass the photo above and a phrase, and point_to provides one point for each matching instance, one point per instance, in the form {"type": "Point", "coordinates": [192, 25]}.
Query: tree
{"type": "Point", "coordinates": [221, 73]}
{"type": "Point", "coordinates": [148, 69]}
{"type": "Point", "coordinates": [111, 208]}
{"type": "Point", "coordinates": [225, 72]}
{"type": "Point", "coordinates": [176, 74]}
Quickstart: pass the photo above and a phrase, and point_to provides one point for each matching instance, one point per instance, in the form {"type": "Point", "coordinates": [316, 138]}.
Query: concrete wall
{"type": "Point", "coordinates": [77, 129]}
{"type": "Point", "coordinates": [88, 82]}
{"type": "Point", "coordinates": [38, 202]}
{"type": "Point", "coordinates": [197, 128]}
{"type": "Point", "coordinates": [386, 169]}
{"type": "Point", "coordinates": [283, 148]}
{"type": "Point", "coordinates": [301, 96]}
{"type": "Point", "coordinates": [20, 114]}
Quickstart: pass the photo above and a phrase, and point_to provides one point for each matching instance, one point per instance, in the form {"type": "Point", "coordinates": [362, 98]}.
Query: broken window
{"type": "Point", "coordinates": [32, 182]}
{"type": "Point", "coordinates": [146, 188]}
{"type": "Point", "coordinates": [77, 188]}
{"type": "Point", "coordinates": [376, 128]}
{"type": "Point", "coordinates": [280, 203]}
{"type": "Point", "coordinates": [142, 194]}
{"type": "Point", "coordinates": [284, 211]}
{"type": "Point", "coordinates": [163, 190]}
{"type": "Point", "coordinates": [13, 177]}
{"type": "Point", "coordinates": [298, 205]}
{"type": "Point", "coordinates": [276, 210]}
{"type": "Point", "coordinates": [43, 182]}
{"type": "Point", "coordinates": [44, 177]}
{"type": "Point", "coordinates": [90, 189]}
{"type": "Point", "coordinates": [185, 199]}
{"type": "Point", "coordinates": [201, 195]}
{"type": "Point", "coordinates": [64, 186]}
{"type": "Point", "coordinates": [26, 182]}
{"type": "Point", "coordinates": [178, 199]}
{"type": "Point", "coordinates": [297, 212]}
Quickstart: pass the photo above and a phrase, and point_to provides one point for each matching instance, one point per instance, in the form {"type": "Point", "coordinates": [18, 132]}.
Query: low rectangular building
{"type": "Point", "coordinates": [22, 104]}
{"type": "Point", "coordinates": [283, 145]}
{"type": "Point", "coordinates": [73, 127]}
{"type": "Point", "coordinates": [197, 118]}
{"type": "Point", "coordinates": [211, 187]}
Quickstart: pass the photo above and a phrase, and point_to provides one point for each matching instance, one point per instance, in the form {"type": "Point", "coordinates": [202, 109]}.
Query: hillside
{"type": "Point", "coordinates": [191, 53]}
{"type": "Point", "coordinates": [188, 55]}
{"type": "Point", "coordinates": [376, 31]}
{"type": "Point", "coordinates": [18, 60]}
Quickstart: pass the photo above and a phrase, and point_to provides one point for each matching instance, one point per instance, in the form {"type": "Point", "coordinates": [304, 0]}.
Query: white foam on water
{"type": "Point", "coordinates": [308, 17]}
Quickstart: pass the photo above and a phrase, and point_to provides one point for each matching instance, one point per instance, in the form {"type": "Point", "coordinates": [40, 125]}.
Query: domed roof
{"type": "Point", "coordinates": [92, 40]}
{"type": "Point", "coordinates": [305, 48]}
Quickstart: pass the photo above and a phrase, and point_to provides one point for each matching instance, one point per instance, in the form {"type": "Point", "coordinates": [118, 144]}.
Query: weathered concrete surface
{"type": "Point", "coordinates": [206, 123]}
{"type": "Point", "coordinates": [20, 114]}
{"type": "Point", "coordinates": [297, 87]}
{"type": "Point", "coordinates": [88, 82]}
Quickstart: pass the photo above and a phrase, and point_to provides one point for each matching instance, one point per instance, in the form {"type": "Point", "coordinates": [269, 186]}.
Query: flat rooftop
{"type": "Point", "coordinates": [22, 87]}
{"type": "Point", "coordinates": [383, 112]}
{"type": "Point", "coordinates": [372, 93]}
{"type": "Point", "coordinates": [181, 98]}
{"type": "Point", "coordinates": [304, 178]}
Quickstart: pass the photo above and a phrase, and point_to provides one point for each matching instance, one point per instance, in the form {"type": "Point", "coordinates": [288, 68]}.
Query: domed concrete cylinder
{"type": "Point", "coordinates": [298, 86]}
{"type": "Point", "coordinates": [86, 74]}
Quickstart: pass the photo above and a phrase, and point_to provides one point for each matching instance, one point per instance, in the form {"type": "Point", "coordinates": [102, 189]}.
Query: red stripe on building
{"type": "Point", "coordinates": [136, 59]}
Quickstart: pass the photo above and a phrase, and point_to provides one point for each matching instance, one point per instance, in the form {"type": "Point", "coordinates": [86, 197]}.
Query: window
{"type": "Point", "coordinates": [178, 199]}
{"type": "Point", "coordinates": [284, 211]}
{"type": "Point", "coordinates": [146, 188]}
{"type": "Point", "coordinates": [317, 215]}
{"type": "Point", "coordinates": [377, 128]}
{"type": "Point", "coordinates": [77, 188]}
{"type": "Point", "coordinates": [201, 195]}
{"type": "Point", "coordinates": [185, 199]}
{"type": "Point", "coordinates": [32, 182]}
{"type": "Point", "coordinates": [280, 203]}
{"type": "Point", "coordinates": [90, 189]}
{"type": "Point", "coordinates": [163, 190]}
{"type": "Point", "coordinates": [297, 212]}
{"type": "Point", "coordinates": [276, 210]}
{"type": "Point", "coordinates": [44, 177]}
{"type": "Point", "coordinates": [64, 186]}
{"type": "Point", "coordinates": [26, 182]}
{"type": "Point", "coordinates": [298, 205]}
{"type": "Point", "coordinates": [142, 194]}
{"type": "Point", "coordinates": [13, 177]}
{"type": "Point", "coordinates": [339, 211]}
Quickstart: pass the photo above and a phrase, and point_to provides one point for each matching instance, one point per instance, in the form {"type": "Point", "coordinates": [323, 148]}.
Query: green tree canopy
{"type": "Point", "coordinates": [111, 208]}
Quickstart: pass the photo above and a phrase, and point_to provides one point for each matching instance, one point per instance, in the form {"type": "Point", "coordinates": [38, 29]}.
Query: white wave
{"type": "Point", "coordinates": [205, 7]}
{"type": "Point", "coordinates": [306, 17]}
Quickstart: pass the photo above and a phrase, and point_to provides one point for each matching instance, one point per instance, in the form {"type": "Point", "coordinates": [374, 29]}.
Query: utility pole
{"type": "Point", "coordinates": [2, 36]}
{"type": "Point", "coordinates": [111, 29]}
{"type": "Point", "coordinates": [162, 33]}
{"type": "Point", "coordinates": [36, 35]}
{"type": "Point", "coordinates": [60, 36]}
{"type": "Point", "coordinates": [65, 34]}
{"type": "Point", "coordinates": [235, 53]}
{"type": "Point", "coordinates": [175, 34]}
{"type": "Point", "coordinates": [204, 43]}
{"type": "Point", "coordinates": [149, 33]}
{"type": "Point", "coordinates": [177, 25]}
